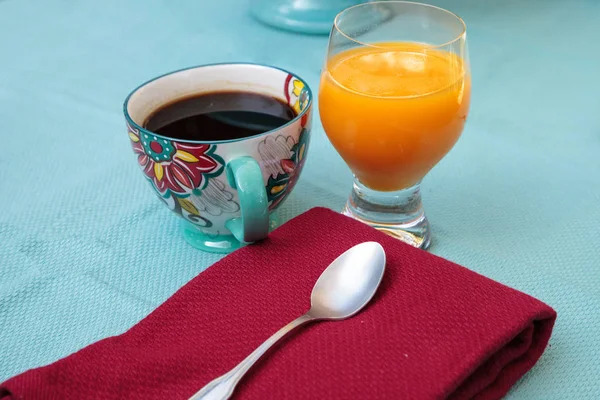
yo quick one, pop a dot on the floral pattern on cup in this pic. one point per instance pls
(282, 156)
(180, 172)
(279, 186)
(296, 94)
(187, 209)
(174, 167)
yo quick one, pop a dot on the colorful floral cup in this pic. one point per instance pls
(225, 191)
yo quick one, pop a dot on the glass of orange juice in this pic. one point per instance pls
(393, 100)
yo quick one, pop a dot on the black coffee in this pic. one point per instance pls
(220, 116)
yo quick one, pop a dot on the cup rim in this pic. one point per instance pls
(141, 129)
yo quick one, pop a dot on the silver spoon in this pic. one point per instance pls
(341, 291)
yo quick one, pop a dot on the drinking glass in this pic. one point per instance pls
(394, 98)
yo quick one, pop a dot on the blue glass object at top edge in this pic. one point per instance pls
(303, 16)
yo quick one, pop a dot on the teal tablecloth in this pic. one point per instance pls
(86, 250)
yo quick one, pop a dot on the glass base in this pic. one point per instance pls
(309, 16)
(222, 244)
(314, 16)
(311, 21)
(399, 214)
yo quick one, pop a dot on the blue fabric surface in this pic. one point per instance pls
(86, 250)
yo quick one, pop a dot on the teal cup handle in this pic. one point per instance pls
(244, 174)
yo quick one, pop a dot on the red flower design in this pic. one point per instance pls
(304, 119)
(178, 167)
(288, 166)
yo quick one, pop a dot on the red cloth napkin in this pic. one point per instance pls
(434, 330)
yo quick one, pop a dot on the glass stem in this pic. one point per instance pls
(399, 213)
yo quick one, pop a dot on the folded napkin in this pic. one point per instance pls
(434, 330)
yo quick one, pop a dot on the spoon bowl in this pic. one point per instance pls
(349, 282)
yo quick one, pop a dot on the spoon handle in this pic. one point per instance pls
(222, 387)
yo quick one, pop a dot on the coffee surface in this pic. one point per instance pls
(216, 116)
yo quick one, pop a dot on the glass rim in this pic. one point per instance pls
(413, 3)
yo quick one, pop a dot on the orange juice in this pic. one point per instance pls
(393, 111)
